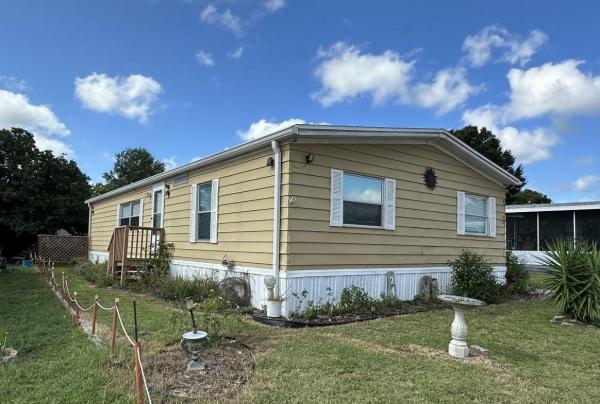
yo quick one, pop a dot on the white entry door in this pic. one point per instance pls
(158, 206)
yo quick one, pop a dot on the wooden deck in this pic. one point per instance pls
(128, 248)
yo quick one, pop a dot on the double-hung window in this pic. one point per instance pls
(130, 213)
(204, 212)
(476, 215)
(363, 201)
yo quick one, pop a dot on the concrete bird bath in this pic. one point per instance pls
(458, 347)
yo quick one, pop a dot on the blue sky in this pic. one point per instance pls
(186, 79)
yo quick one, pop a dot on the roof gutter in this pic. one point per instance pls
(276, 213)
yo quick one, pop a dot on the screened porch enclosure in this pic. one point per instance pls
(535, 230)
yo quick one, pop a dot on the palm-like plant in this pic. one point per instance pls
(574, 278)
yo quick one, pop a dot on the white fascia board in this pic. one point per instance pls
(551, 208)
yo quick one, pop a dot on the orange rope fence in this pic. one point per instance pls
(46, 268)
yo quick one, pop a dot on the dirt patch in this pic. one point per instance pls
(229, 366)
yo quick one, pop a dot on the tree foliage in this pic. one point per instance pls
(39, 192)
(529, 196)
(486, 143)
(131, 165)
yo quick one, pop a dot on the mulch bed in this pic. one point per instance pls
(229, 366)
(326, 320)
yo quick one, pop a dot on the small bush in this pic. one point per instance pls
(179, 289)
(355, 299)
(517, 276)
(573, 279)
(94, 272)
(473, 276)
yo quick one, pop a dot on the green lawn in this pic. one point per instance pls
(396, 359)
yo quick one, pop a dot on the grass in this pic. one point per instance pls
(396, 359)
(56, 362)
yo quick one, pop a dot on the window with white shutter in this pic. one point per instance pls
(362, 201)
(476, 215)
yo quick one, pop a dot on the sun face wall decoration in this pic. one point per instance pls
(430, 178)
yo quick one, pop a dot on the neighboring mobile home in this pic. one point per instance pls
(321, 207)
(530, 228)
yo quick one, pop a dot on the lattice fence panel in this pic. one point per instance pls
(62, 248)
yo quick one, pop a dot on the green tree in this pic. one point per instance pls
(131, 165)
(529, 196)
(39, 192)
(486, 143)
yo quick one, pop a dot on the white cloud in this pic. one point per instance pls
(528, 146)
(204, 58)
(479, 47)
(133, 97)
(17, 111)
(12, 83)
(587, 183)
(346, 73)
(227, 19)
(274, 5)
(236, 54)
(57, 146)
(265, 127)
(169, 162)
(448, 90)
(560, 88)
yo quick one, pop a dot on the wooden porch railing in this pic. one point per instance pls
(130, 245)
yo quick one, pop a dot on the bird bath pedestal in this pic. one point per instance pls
(458, 347)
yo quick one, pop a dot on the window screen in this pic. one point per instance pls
(476, 214)
(362, 200)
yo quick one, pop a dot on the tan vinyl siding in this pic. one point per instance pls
(104, 217)
(245, 219)
(425, 232)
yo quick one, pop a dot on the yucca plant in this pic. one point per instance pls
(573, 278)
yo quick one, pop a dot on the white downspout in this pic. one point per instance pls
(89, 234)
(276, 212)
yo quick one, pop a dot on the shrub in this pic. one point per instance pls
(179, 289)
(473, 276)
(517, 276)
(356, 299)
(94, 272)
(573, 279)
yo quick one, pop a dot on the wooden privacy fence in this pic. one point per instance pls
(62, 248)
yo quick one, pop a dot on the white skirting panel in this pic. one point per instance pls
(315, 282)
(254, 276)
(98, 256)
(373, 281)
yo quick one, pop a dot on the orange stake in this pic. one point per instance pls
(139, 381)
(94, 315)
(114, 327)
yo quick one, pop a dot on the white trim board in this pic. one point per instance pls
(551, 208)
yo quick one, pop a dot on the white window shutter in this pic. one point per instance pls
(389, 221)
(118, 215)
(460, 213)
(141, 212)
(336, 213)
(214, 211)
(492, 216)
(193, 218)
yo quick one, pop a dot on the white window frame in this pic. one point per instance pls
(155, 189)
(214, 212)
(490, 216)
(140, 216)
(388, 201)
